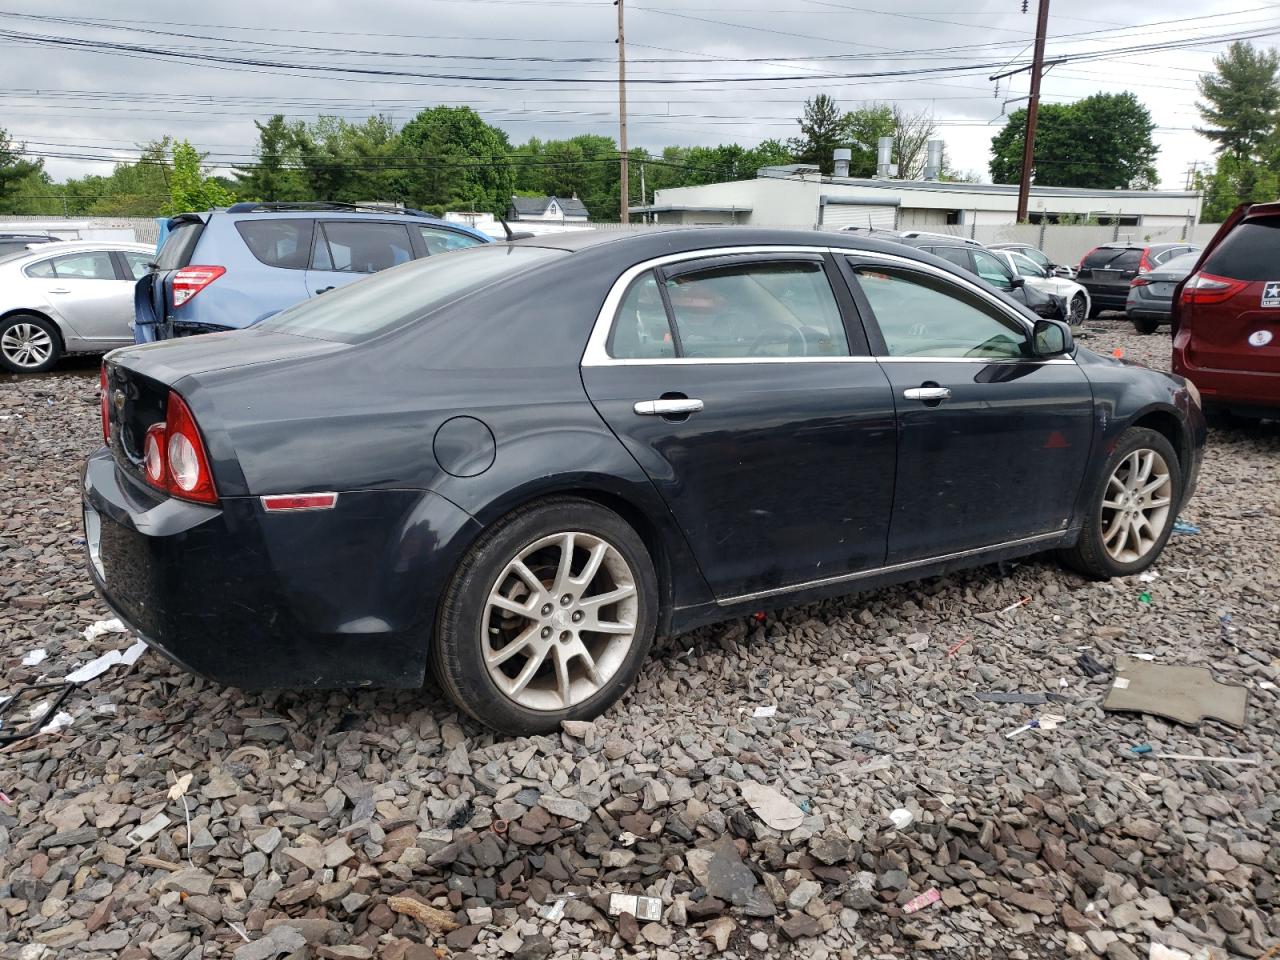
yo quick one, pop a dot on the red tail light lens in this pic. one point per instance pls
(104, 405)
(1139, 282)
(174, 457)
(1206, 288)
(1145, 264)
(189, 281)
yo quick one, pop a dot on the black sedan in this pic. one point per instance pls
(519, 463)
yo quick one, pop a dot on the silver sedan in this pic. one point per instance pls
(71, 297)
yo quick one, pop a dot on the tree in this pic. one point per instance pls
(456, 161)
(911, 135)
(823, 127)
(14, 170)
(189, 187)
(276, 174)
(1102, 142)
(1242, 99)
(1233, 182)
(866, 126)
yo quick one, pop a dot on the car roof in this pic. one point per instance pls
(72, 246)
(681, 239)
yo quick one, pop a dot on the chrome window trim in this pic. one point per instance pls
(596, 353)
(891, 568)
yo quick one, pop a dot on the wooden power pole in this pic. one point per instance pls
(624, 214)
(1033, 110)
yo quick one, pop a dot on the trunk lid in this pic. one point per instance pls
(153, 294)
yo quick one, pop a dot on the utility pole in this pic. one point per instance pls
(1033, 109)
(624, 215)
(644, 202)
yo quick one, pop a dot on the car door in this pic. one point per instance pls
(87, 293)
(756, 412)
(992, 441)
(346, 250)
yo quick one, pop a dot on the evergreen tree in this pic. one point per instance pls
(1241, 100)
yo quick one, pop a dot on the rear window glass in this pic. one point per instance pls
(179, 245)
(278, 243)
(395, 297)
(1123, 258)
(1250, 252)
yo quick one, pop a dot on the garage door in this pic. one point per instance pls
(877, 216)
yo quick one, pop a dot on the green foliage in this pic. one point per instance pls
(453, 158)
(189, 187)
(1101, 142)
(15, 173)
(823, 127)
(1234, 182)
(1242, 97)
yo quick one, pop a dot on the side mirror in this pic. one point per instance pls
(1016, 282)
(1050, 338)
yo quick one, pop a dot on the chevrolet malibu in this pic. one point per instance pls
(518, 464)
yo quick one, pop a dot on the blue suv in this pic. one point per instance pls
(227, 269)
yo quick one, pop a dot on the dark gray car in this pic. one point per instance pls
(1150, 299)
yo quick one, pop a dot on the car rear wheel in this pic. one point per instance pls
(28, 344)
(1094, 311)
(1132, 508)
(1145, 325)
(548, 617)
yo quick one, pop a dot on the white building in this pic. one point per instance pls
(797, 195)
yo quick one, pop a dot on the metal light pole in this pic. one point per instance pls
(624, 214)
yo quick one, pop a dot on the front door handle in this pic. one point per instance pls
(667, 408)
(927, 394)
(59, 290)
(323, 290)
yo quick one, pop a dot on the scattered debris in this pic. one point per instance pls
(99, 666)
(955, 647)
(1091, 666)
(1005, 696)
(766, 711)
(32, 657)
(1140, 748)
(642, 908)
(771, 806)
(901, 818)
(147, 831)
(1245, 761)
(1148, 576)
(95, 630)
(925, 899)
(48, 720)
(1184, 694)
(1015, 605)
(1049, 721)
(1185, 529)
(627, 838)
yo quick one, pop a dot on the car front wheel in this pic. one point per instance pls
(28, 344)
(1145, 325)
(1077, 313)
(548, 617)
(1132, 508)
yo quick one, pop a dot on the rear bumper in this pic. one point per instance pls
(335, 598)
(1246, 390)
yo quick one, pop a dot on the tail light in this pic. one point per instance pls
(1139, 282)
(1206, 288)
(189, 281)
(1084, 258)
(1144, 264)
(174, 457)
(104, 404)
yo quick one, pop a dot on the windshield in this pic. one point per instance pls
(401, 294)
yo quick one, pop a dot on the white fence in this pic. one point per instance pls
(1063, 244)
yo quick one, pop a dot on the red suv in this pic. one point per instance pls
(1226, 315)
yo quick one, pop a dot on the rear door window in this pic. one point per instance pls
(1250, 252)
(771, 309)
(992, 269)
(94, 265)
(956, 255)
(351, 246)
(278, 243)
(139, 264)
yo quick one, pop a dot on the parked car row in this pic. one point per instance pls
(580, 442)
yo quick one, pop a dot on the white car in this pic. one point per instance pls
(67, 297)
(1076, 296)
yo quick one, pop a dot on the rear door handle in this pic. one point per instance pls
(59, 290)
(936, 394)
(667, 408)
(324, 290)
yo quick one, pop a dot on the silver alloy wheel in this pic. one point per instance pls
(559, 620)
(1077, 311)
(1136, 506)
(26, 345)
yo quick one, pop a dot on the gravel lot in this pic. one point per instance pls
(321, 824)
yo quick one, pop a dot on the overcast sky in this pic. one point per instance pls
(100, 104)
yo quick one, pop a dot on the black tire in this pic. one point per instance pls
(1089, 556)
(1094, 311)
(458, 647)
(18, 321)
(1145, 325)
(1076, 312)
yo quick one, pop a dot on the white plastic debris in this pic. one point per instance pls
(1158, 951)
(95, 630)
(34, 656)
(1063, 683)
(770, 806)
(1148, 576)
(901, 818)
(100, 665)
(60, 720)
(768, 711)
(180, 788)
(147, 831)
(642, 908)
(627, 838)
